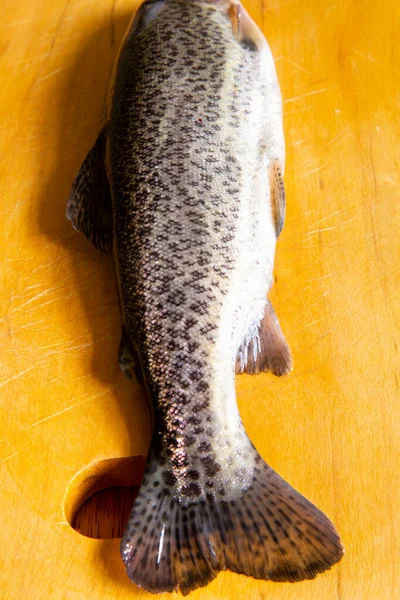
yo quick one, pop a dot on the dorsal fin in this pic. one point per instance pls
(89, 205)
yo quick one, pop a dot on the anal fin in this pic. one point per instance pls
(89, 205)
(265, 348)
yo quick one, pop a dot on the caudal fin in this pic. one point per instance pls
(270, 532)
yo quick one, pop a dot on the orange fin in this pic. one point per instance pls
(265, 348)
(244, 28)
(269, 531)
(278, 201)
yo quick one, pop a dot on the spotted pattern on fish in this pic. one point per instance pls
(176, 256)
(195, 160)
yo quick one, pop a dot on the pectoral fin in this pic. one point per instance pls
(278, 202)
(265, 348)
(245, 30)
(146, 13)
(89, 205)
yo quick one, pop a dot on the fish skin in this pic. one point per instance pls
(194, 157)
(193, 129)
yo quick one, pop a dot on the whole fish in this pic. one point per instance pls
(184, 186)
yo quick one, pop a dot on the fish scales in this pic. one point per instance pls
(184, 186)
(179, 168)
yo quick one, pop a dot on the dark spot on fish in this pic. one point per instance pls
(190, 322)
(211, 467)
(198, 430)
(201, 406)
(169, 478)
(195, 375)
(248, 44)
(192, 347)
(203, 386)
(193, 489)
(189, 440)
(194, 420)
(204, 446)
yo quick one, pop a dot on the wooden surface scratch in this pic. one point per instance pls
(331, 428)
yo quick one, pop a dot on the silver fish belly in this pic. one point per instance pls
(184, 186)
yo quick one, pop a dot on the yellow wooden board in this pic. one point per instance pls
(331, 428)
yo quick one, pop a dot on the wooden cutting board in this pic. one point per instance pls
(68, 416)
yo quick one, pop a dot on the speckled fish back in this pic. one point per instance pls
(195, 126)
(179, 164)
(193, 156)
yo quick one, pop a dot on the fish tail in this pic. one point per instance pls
(269, 531)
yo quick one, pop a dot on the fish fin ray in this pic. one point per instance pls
(162, 550)
(147, 12)
(244, 28)
(265, 348)
(269, 531)
(89, 206)
(278, 200)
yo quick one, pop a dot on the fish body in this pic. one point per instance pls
(184, 186)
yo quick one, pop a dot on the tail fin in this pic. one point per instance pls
(269, 532)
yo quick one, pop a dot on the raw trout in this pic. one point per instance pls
(184, 186)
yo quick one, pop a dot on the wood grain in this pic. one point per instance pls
(104, 515)
(331, 428)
